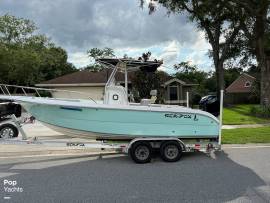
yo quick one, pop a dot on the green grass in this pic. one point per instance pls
(240, 114)
(246, 135)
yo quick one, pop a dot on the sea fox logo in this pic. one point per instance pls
(177, 115)
(75, 144)
(180, 115)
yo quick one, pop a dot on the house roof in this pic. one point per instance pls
(178, 81)
(239, 85)
(84, 78)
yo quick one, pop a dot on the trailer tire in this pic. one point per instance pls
(141, 152)
(8, 131)
(170, 151)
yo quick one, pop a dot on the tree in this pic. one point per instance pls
(191, 74)
(231, 74)
(27, 58)
(96, 53)
(145, 56)
(206, 80)
(255, 26)
(53, 63)
(216, 19)
(185, 67)
(15, 30)
(144, 82)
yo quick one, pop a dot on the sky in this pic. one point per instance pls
(79, 25)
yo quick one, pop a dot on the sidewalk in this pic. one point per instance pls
(245, 126)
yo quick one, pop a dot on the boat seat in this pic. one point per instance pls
(147, 102)
(153, 99)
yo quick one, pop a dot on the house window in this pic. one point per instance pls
(248, 84)
(173, 93)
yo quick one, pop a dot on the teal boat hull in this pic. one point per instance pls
(117, 123)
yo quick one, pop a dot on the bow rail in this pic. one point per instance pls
(5, 90)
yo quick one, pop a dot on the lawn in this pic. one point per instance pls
(246, 135)
(240, 114)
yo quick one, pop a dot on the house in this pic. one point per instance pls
(176, 91)
(91, 84)
(240, 90)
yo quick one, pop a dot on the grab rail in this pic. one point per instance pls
(4, 88)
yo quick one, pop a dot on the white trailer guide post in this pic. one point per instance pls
(220, 116)
(187, 99)
(191, 145)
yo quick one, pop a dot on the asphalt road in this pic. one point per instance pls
(237, 175)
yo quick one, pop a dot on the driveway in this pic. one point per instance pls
(236, 174)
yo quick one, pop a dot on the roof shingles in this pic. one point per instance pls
(85, 77)
(238, 86)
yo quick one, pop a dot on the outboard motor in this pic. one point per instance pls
(210, 103)
(8, 108)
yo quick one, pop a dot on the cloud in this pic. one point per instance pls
(79, 25)
(81, 59)
(169, 55)
(197, 54)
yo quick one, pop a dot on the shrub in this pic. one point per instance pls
(195, 98)
(260, 111)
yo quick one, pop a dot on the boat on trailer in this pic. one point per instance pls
(115, 118)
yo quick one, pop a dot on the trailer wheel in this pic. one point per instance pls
(170, 151)
(141, 152)
(8, 131)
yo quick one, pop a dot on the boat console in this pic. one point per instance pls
(115, 95)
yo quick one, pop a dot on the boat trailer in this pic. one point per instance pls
(139, 149)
